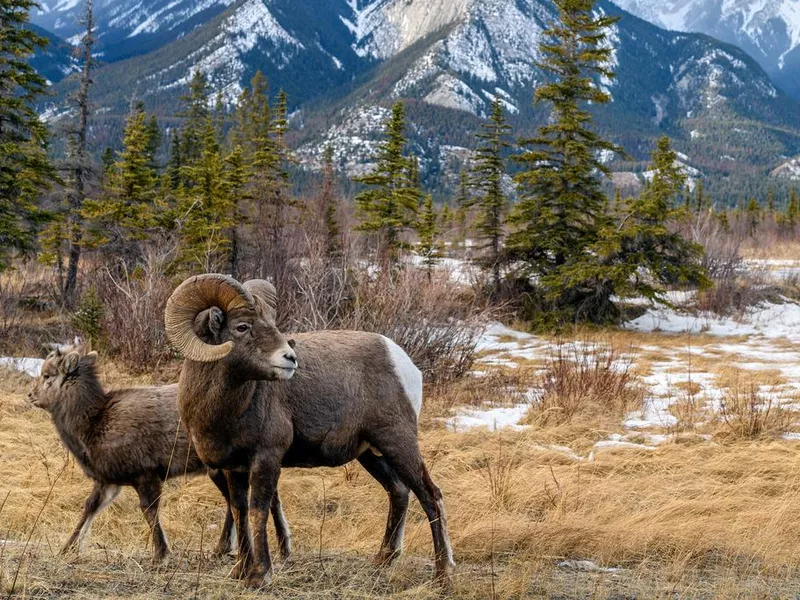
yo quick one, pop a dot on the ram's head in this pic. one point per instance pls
(213, 317)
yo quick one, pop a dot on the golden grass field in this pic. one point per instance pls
(689, 519)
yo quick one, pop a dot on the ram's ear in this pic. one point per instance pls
(70, 363)
(208, 325)
(90, 358)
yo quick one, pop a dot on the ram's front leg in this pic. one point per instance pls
(264, 475)
(238, 484)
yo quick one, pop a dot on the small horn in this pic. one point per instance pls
(266, 295)
(189, 299)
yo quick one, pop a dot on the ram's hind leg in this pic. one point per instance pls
(402, 452)
(102, 495)
(392, 544)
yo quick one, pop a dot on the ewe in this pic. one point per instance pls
(254, 402)
(124, 437)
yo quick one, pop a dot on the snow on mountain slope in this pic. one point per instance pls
(250, 26)
(769, 30)
(128, 27)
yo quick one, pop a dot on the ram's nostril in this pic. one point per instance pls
(290, 357)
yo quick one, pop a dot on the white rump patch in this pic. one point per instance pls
(407, 372)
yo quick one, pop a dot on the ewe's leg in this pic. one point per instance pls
(149, 497)
(264, 474)
(392, 544)
(281, 526)
(238, 488)
(405, 459)
(101, 496)
(225, 543)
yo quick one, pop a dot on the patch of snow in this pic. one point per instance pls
(30, 366)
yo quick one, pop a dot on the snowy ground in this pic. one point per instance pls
(680, 349)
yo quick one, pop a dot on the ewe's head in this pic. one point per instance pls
(213, 317)
(62, 367)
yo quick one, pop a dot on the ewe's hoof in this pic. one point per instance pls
(239, 570)
(256, 580)
(384, 558)
(221, 552)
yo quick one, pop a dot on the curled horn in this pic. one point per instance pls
(189, 299)
(265, 295)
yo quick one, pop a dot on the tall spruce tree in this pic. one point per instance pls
(640, 252)
(488, 197)
(561, 209)
(25, 169)
(429, 246)
(207, 208)
(195, 114)
(389, 206)
(125, 213)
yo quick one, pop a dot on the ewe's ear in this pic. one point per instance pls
(90, 358)
(208, 324)
(70, 363)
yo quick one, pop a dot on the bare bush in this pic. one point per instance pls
(722, 259)
(746, 413)
(580, 384)
(434, 320)
(134, 301)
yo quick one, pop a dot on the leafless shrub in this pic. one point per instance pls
(12, 288)
(583, 383)
(134, 301)
(746, 413)
(722, 258)
(432, 319)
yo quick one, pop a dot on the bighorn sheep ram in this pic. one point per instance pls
(254, 402)
(125, 437)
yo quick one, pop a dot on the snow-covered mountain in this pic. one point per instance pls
(127, 27)
(343, 62)
(768, 30)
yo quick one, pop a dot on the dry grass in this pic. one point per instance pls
(684, 521)
(779, 250)
(585, 385)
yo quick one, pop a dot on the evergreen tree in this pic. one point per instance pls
(195, 115)
(25, 169)
(80, 163)
(561, 209)
(107, 160)
(428, 247)
(235, 182)
(771, 201)
(487, 183)
(175, 162)
(328, 207)
(207, 209)
(789, 219)
(700, 197)
(641, 251)
(125, 213)
(390, 204)
(753, 216)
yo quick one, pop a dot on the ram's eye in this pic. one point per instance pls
(242, 327)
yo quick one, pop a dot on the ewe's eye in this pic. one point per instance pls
(242, 327)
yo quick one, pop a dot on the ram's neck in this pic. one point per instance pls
(211, 401)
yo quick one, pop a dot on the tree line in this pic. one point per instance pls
(565, 251)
